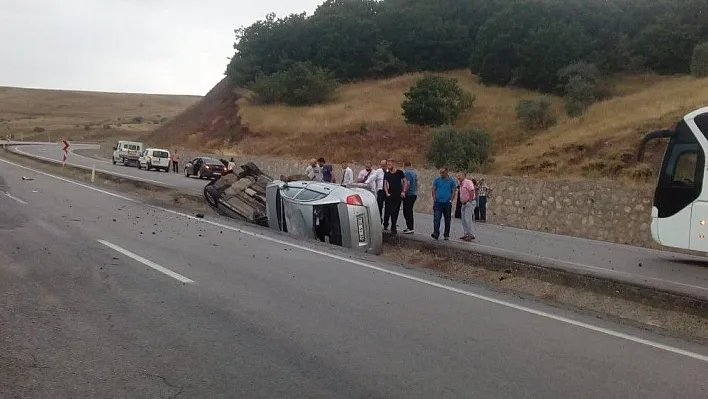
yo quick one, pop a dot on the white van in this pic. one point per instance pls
(155, 158)
(127, 152)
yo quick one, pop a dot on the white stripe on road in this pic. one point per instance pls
(561, 319)
(15, 198)
(147, 262)
(69, 181)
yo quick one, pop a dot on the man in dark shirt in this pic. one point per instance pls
(395, 187)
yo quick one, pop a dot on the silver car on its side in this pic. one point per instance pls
(343, 216)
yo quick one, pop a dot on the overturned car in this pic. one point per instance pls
(343, 216)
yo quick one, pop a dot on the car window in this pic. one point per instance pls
(132, 147)
(309, 195)
(160, 154)
(289, 192)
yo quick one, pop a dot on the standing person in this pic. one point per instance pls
(232, 165)
(476, 207)
(411, 196)
(377, 178)
(444, 190)
(327, 171)
(313, 170)
(483, 191)
(467, 198)
(175, 162)
(347, 175)
(458, 205)
(395, 186)
(364, 173)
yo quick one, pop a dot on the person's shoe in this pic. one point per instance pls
(434, 236)
(407, 231)
(446, 238)
(394, 232)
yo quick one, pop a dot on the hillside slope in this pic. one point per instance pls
(40, 113)
(211, 122)
(365, 123)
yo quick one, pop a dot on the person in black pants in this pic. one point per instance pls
(394, 187)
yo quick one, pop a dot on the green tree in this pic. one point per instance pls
(466, 149)
(581, 88)
(699, 61)
(435, 100)
(536, 113)
(301, 84)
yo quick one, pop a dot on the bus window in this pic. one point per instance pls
(685, 169)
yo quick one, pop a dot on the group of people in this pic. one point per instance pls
(396, 188)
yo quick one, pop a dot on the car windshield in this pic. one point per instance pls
(160, 154)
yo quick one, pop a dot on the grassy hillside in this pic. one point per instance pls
(81, 114)
(365, 122)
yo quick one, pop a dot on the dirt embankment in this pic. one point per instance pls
(211, 122)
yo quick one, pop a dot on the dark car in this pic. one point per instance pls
(204, 167)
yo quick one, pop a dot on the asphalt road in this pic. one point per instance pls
(104, 296)
(662, 269)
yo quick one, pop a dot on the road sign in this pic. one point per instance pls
(65, 149)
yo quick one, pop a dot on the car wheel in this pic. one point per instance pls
(114, 160)
(139, 165)
(186, 174)
(149, 166)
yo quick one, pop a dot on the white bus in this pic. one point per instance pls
(679, 216)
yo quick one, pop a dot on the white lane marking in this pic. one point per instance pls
(500, 302)
(16, 199)
(147, 262)
(69, 181)
(97, 169)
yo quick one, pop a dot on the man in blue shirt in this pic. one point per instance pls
(411, 196)
(444, 190)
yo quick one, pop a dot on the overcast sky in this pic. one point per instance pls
(147, 46)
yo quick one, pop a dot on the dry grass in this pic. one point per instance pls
(365, 122)
(603, 142)
(66, 113)
(374, 107)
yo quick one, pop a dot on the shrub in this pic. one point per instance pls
(435, 101)
(536, 113)
(301, 84)
(87, 127)
(581, 87)
(579, 96)
(107, 126)
(38, 130)
(137, 120)
(466, 149)
(699, 61)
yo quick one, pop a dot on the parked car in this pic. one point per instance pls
(154, 158)
(343, 216)
(127, 152)
(204, 167)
